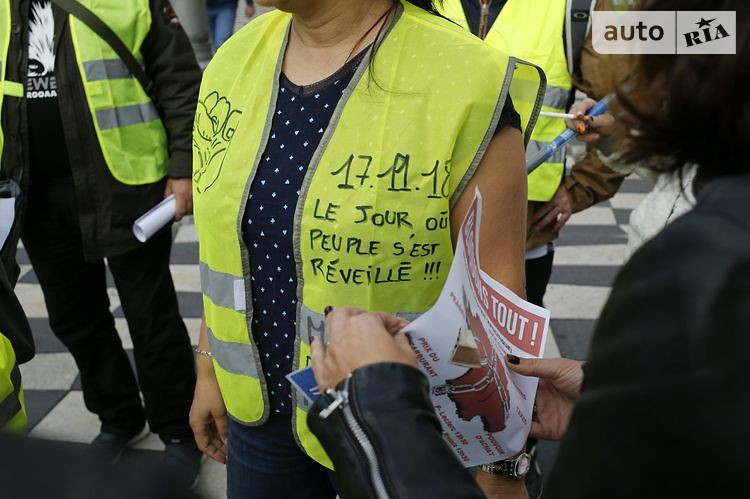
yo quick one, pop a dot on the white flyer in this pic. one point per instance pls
(461, 344)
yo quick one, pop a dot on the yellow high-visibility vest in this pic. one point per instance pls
(12, 407)
(401, 145)
(128, 127)
(533, 31)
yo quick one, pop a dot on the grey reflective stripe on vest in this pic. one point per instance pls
(106, 69)
(10, 406)
(126, 115)
(313, 324)
(536, 146)
(225, 290)
(236, 358)
(556, 97)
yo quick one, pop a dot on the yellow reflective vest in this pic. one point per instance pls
(128, 127)
(402, 143)
(533, 31)
(12, 408)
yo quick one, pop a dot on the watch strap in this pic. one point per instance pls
(508, 467)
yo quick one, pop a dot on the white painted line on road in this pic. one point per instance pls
(575, 302)
(594, 216)
(602, 254)
(626, 200)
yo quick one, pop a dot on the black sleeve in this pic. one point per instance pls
(13, 322)
(392, 406)
(171, 65)
(508, 117)
(666, 377)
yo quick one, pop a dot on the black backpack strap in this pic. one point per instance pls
(98, 26)
(577, 25)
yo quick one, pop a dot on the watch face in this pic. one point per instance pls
(522, 465)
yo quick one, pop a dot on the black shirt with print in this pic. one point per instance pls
(48, 152)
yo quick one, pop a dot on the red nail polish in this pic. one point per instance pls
(514, 359)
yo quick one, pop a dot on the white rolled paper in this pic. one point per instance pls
(154, 219)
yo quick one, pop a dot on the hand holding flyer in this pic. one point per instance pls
(461, 344)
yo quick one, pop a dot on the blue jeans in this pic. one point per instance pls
(221, 24)
(265, 461)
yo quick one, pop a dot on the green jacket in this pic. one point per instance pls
(106, 207)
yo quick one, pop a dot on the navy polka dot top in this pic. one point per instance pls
(301, 118)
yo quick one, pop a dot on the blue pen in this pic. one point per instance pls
(549, 149)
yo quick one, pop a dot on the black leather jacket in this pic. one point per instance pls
(384, 438)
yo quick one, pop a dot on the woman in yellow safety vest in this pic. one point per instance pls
(337, 147)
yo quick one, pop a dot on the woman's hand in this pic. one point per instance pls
(560, 383)
(597, 128)
(356, 339)
(208, 414)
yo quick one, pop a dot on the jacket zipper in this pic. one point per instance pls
(341, 400)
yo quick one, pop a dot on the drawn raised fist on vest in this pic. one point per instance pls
(215, 124)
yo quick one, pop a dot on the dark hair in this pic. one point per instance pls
(692, 108)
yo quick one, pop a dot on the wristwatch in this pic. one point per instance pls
(516, 467)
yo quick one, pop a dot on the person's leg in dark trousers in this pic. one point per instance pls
(213, 19)
(538, 273)
(265, 461)
(75, 292)
(163, 355)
